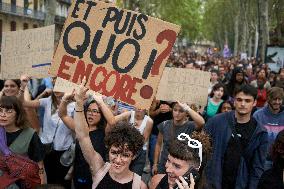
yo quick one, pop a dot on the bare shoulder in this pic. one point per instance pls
(150, 120)
(143, 185)
(156, 180)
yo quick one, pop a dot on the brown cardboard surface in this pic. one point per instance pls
(184, 85)
(27, 52)
(141, 91)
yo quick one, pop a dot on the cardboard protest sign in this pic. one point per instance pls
(62, 85)
(27, 52)
(121, 53)
(184, 85)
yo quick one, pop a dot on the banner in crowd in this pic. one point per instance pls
(121, 53)
(275, 57)
(27, 52)
(184, 85)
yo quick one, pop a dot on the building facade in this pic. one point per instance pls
(27, 14)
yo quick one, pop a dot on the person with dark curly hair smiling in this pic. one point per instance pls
(123, 143)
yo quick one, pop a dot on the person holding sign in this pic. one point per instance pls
(97, 115)
(123, 143)
(56, 136)
(171, 129)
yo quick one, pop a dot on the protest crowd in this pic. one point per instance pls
(85, 140)
(71, 135)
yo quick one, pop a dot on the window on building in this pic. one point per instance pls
(26, 26)
(35, 4)
(35, 26)
(13, 5)
(14, 2)
(13, 26)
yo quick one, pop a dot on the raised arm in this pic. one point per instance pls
(26, 101)
(198, 119)
(157, 152)
(148, 129)
(121, 117)
(93, 158)
(62, 110)
(106, 111)
(153, 111)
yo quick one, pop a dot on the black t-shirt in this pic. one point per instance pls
(108, 182)
(163, 184)
(159, 119)
(234, 152)
(82, 171)
(36, 148)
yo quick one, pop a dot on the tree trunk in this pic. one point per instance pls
(263, 28)
(250, 46)
(256, 41)
(236, 38)
(244, 26)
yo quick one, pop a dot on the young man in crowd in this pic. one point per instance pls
(271, 117)
(239, 145)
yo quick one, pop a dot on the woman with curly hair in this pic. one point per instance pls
(123, 143)
(187, 158)
(273, 178)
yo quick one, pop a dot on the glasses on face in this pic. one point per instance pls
(93, 111)
(7, 112)
(123, 155)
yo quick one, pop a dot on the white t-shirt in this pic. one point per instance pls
(63, 136)
(142, 127)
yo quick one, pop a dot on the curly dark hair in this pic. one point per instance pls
(124, 135)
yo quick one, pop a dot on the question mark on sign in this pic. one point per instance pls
(170, 36)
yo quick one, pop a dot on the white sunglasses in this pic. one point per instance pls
(192, 143)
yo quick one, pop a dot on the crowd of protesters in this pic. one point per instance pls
(77, 140)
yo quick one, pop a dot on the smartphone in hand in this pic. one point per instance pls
(186, 176)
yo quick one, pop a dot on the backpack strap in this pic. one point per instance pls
(136, 184)
(22, 142)
(100, 174)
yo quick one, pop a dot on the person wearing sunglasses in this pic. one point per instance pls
(183, 166)
(170, 129)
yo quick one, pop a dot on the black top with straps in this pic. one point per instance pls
(108, 182)
(163, 184)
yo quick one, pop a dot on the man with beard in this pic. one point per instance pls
(239, 145)
(271, 117)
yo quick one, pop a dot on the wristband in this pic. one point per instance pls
(79, 110)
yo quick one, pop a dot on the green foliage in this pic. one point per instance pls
(186, 13)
